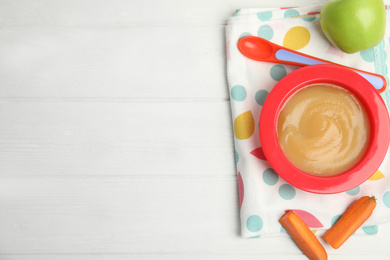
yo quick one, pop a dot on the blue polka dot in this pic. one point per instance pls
(371, 230)
(264, 16)
(291, 13)
(237, 11)
(270, 177)
(278, 72)
(283, 230)
(266, 32)
(254, 223)
(238, 93)
(287, 192)
(309, 18)
(353, 191)
(260, 96)
(237, 157)
(335, 219)
(386, 199)
(255, 236)
(368, 55)
(244, 34)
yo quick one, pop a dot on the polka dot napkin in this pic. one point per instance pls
(264, 196)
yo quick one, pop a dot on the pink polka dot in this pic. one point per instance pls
(258, 152)
(240, 189)
(334, 51)
(310, 220)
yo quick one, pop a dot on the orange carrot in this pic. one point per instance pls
(302, 235)
(355, 215)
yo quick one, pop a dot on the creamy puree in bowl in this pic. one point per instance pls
(323, 129)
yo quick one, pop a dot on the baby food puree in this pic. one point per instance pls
(323, 129)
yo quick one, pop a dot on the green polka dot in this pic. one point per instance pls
(283, 230)
(255, 236)
(386, 199)
(264, 16)
(254, 223)
(237, 157)
(238, 93)
(237, 11)
(270, 177)
(278, 72)
(368, 55)
(291, 13)
(287, 192)
(266, 32)
(353, 191)
(335, 219)
(260, 96)
(244, 34)
(371, 230)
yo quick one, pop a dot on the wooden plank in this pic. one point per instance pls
(125, 63)
(117, 215)
(123, 12)
(108, 151)
(205, 256)
(49, 138)
(139, 216)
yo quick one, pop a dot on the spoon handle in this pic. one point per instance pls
(295, 58)
(260, 49)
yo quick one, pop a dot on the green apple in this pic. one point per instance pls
(354, 25)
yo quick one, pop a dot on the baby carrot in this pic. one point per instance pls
(302, 235)
(355, 215)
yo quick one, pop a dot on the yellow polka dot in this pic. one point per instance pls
(296, 38)
(244, 125)
(377, 176)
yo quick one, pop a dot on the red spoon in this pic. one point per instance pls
(260, 49)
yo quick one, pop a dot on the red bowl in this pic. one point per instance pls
(369, 98)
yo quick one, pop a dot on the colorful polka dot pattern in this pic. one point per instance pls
(368, 55)
(266, 32)
(386, 199)
(333, 51)
(296, 38)
(309, 18)
(310, 220)
(278, 72)
(237, 157)
(287, 192)
(247, 101)
(270, 177)
(258, 152)
(370, 230)
(254, 223)
(260, 97)
(238, 93)
(291, 13)
(354, 191)
(264, 16)
(244, 125)
(376, 176)
(240, 189)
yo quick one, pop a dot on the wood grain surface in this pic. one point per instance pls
(115, 135)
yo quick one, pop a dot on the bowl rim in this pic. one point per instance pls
(369, 98)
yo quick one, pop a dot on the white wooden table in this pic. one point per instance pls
(115, 134)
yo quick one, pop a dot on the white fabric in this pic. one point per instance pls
(265, 196)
